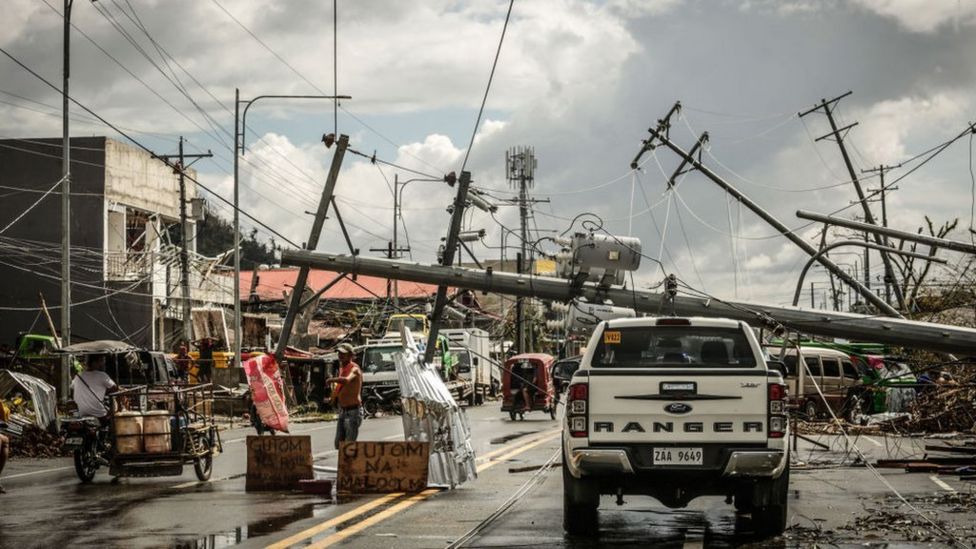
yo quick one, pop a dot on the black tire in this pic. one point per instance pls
(743, 500)
(86, 462)
(581, 502)
(473, 397)
(371, 406)
(203, 465)
(771, 520)
(479, 398)
(810, 409)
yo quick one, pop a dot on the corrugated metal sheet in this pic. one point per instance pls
(430, 414)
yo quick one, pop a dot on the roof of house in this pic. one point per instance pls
(272, 283)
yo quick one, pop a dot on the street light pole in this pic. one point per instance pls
(240, 132)
(65, 208)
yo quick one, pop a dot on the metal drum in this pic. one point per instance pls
(128, 432)
(157, 432)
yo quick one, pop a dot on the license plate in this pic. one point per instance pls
(73, 441)
(677, 456)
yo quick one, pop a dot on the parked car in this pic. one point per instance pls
(835, 372)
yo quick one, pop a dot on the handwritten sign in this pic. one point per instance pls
(382, 467)
(278, 462)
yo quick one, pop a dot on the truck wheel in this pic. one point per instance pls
(811, 410)
(771, 519)
(473, 398)
(479, 398)
(580, 503)
(743, 500)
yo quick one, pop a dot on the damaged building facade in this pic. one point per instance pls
(125, 270)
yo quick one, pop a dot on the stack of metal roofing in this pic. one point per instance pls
(430, 414)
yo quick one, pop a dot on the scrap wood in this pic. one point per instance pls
(950, 448)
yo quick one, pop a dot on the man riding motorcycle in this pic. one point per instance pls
(90, 387)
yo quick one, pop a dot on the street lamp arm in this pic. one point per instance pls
(247, 105)
(871, 245)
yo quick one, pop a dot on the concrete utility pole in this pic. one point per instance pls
(240, 135)
(881, 170)
(662, 138)
(65, 207)
(934, 241)
(328, 192)
(520, 164)
(868, 216)
(184, 237)
(450, 247)
(894, 331)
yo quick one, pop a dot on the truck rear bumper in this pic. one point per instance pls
(616, 461)
(599, 461)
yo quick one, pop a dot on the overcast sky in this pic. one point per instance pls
(580, 81)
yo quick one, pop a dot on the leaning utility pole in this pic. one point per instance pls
(868, 217)
(659, 136)
(313, 241)
(180, 168)
(65, 208)
(447, 259)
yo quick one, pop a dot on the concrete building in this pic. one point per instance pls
(125, 267)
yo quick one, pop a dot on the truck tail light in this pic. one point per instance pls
(577, 413)
(777, 410)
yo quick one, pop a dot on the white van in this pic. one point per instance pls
(832, 370)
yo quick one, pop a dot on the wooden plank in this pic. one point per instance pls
(382, 467)
(278, 462)
(947, 448)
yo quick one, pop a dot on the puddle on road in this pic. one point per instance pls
(255, 529)
(512, 436)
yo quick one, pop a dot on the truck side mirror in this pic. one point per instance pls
(777, 366)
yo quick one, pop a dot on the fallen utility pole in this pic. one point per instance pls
(868, 216)
(936, 242)
(892, 331)
(777, 224)
(313, 241)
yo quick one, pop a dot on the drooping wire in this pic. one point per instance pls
(491, 76)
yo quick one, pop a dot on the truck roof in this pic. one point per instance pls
(693, 320)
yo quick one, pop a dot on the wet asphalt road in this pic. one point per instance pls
(832, 503)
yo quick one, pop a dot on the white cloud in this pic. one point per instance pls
(886, 126)
(923, 15)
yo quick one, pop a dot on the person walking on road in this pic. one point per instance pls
(347, 392)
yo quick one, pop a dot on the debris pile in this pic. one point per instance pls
(34, 442)
(944, 408)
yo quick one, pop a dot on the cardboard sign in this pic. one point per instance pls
(382, 467)
(278, 462)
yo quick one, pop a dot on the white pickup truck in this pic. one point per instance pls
(675, 408)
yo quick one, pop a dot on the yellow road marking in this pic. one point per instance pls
(378, 517)
(506, 451)
(366, 507)
(493, 453)
(517, 451)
